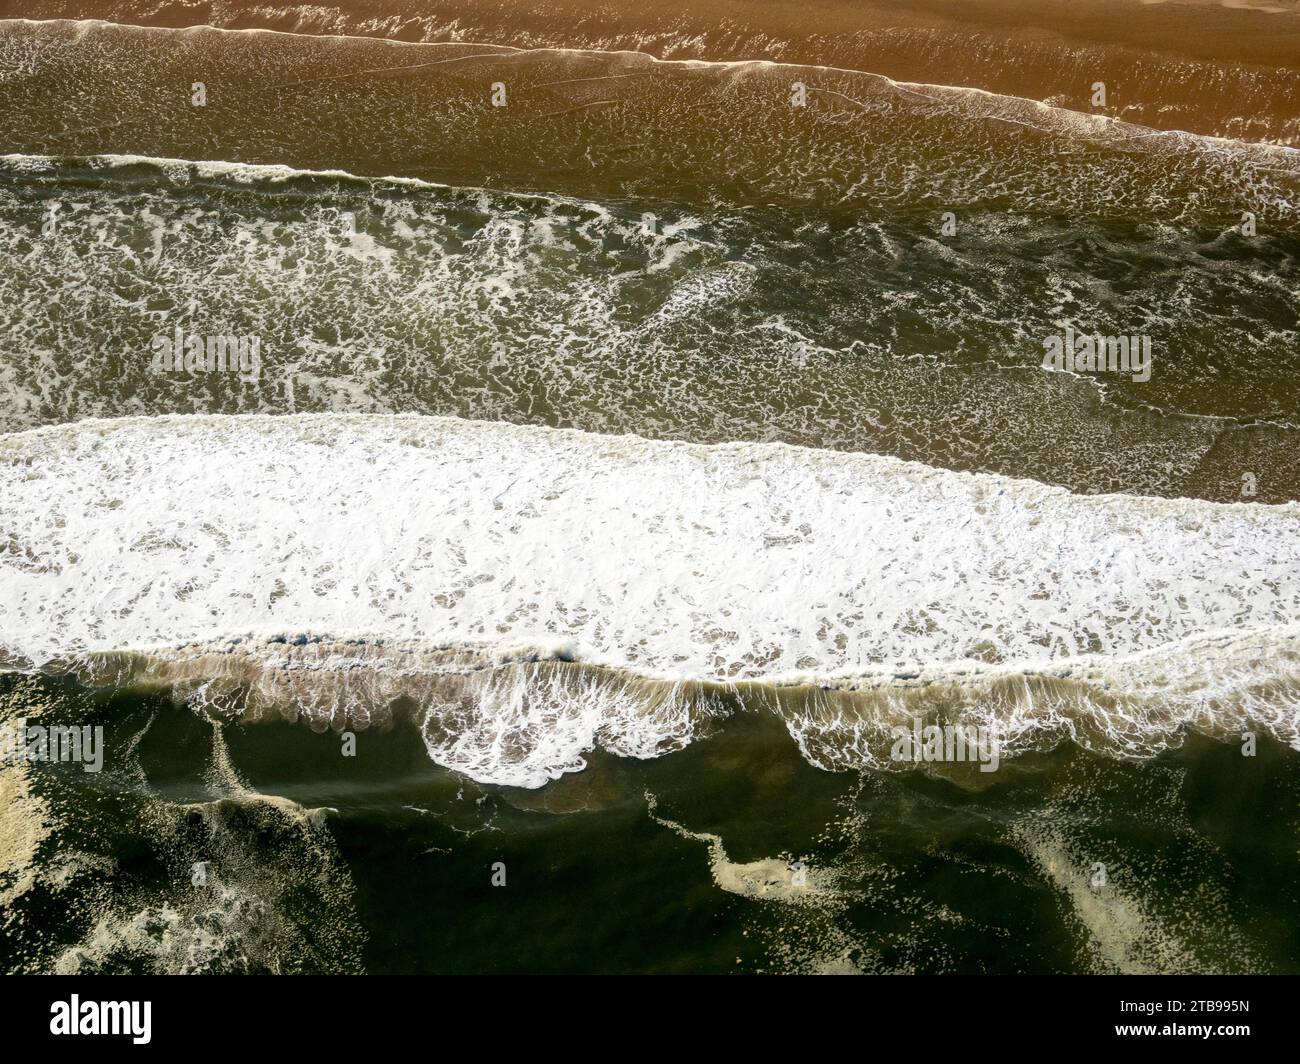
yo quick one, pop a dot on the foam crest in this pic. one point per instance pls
(524, 728)
(526, 715)
(1222, 685)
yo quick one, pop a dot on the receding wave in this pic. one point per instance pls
(615, 124)
(1170, 66)
(528, 594)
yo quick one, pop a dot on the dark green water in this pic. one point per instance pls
(384, 862)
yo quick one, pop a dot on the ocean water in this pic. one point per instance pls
(560, 512)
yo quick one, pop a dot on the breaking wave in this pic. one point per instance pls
(525, 595)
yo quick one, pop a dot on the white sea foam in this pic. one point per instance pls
(524, 728)
(743, 561)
